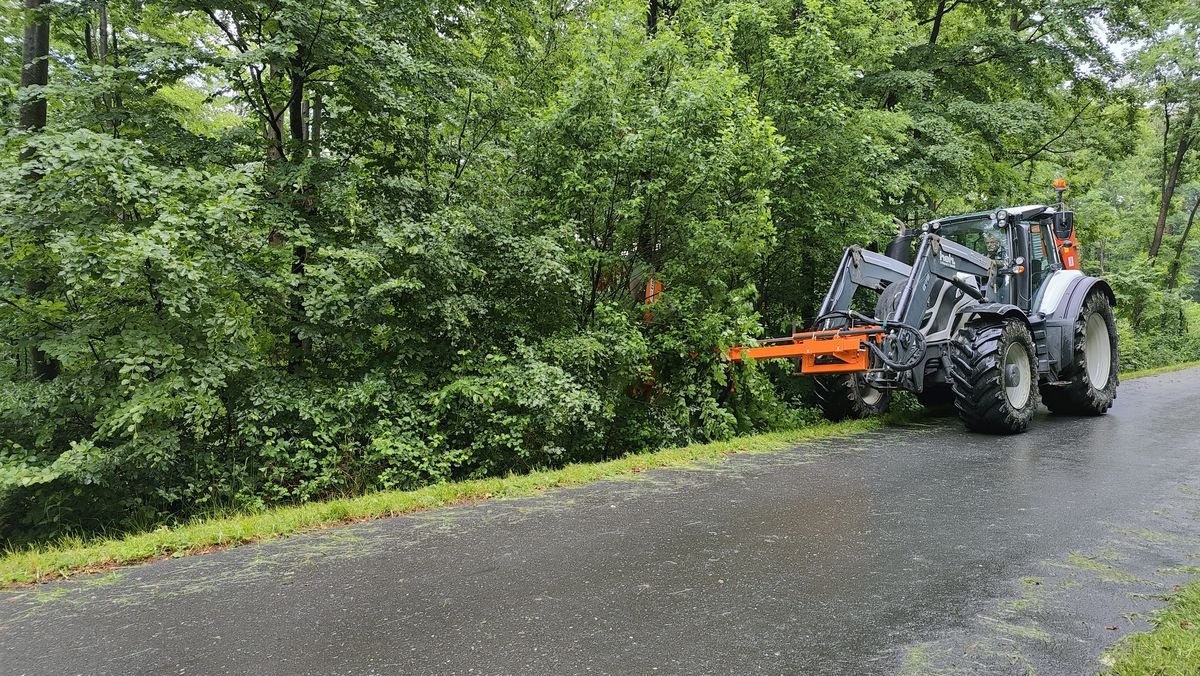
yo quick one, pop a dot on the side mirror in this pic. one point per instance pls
(1064, 224)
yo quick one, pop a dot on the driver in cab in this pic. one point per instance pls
(993, 245)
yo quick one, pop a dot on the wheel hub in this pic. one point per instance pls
(1012, 375)
(1018, 379)
(869, 394)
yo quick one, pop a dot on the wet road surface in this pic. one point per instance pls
(922, 550)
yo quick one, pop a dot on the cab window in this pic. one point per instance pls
(982, 236)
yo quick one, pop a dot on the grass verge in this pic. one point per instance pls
(1160, 370)
(1172, 647)
(72, 556)
(75, 555)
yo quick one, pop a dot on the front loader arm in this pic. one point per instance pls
(839, 343)
(940, 259)
(844, 341)
(859, 267)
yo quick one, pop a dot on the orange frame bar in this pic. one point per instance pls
(847, 352)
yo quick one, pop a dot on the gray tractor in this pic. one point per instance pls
(979, 310)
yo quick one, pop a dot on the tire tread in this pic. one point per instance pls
(977, 379)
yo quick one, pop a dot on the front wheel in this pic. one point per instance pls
(849, 395)
(994, 375)
(1092, 374)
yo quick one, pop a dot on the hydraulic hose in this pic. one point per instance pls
(916, 356)
(895, 329)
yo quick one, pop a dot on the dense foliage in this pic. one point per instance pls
(259, 252)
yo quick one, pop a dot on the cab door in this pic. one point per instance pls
(1043, 260)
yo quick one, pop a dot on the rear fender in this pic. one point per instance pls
(1060, 325)
(1072, 301)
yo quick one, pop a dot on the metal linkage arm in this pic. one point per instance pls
(860, 267)
(940, 259)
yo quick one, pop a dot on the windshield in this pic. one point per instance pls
(981, 235)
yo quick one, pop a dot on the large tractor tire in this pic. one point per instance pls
(843, 396)
(888, 299)
(993, 369)
(1092, 375)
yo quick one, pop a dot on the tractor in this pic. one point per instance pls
(990, 312)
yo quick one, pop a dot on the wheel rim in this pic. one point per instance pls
(1097, 350)
(869, 395)
(1016, 362)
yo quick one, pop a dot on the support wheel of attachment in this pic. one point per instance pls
(993, 369)
(843, 396)
(1093, 372)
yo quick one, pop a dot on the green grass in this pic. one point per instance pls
(1103, 570)
(1173, 647)
(75, 555)
(1160, 370)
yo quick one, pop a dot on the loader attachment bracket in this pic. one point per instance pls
(831, 351)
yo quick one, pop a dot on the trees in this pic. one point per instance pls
(1170, 68)
(35, 75)
(279, 250)
(995, 90)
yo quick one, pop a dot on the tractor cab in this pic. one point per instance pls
(1027, 243)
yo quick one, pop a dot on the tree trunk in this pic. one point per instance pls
(296, 121)
(272, 130)
(35, 64)
(656, 11)
(102, 43)
(35, 72)
(1166, 145)
(297, 128)
(318, 109)
(1168, 189)
(88, 49)
(937, 22)
(1173, 274)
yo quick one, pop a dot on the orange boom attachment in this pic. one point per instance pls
(832, 351)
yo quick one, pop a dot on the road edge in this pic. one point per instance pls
(77, 556)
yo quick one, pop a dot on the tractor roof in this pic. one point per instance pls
(1022, 212)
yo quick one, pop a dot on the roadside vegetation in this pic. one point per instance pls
(71, 555)
(264, 255)
(1173, 647)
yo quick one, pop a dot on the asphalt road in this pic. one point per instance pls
(923, 550)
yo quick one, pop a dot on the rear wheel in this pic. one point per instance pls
(1092, 376)
(994, 375)
(848, 395)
